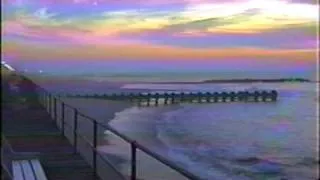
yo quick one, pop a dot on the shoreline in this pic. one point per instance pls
(100, 109)
(239, 81)
(125, 80)
(143, 130)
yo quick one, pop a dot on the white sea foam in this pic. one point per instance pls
(139, 123)
(277, 134)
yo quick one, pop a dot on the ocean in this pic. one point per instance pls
(236, 141)
(239, 140)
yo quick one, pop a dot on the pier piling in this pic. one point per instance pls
(157, 99)
(172, 97)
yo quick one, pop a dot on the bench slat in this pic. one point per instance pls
(40, 174)
(28, 172)
(17, 171)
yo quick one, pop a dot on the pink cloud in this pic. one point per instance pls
(17, 28)
(133, 2)
(307, 44)
(89, 39)
(59, 34)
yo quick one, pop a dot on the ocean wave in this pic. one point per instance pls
(220, 141)
(140, 124)
(235, 155)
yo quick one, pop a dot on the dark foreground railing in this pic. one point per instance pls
(85, 135)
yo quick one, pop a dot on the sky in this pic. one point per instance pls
(160, 35)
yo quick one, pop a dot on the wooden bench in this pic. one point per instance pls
(28, 170)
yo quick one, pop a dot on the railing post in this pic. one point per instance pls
(62, 118)
(49, 105)
(45, 101)
(42, 99)
(133, 160)
(75, 127)
(39, 93)
(55, 109)
(94, 158)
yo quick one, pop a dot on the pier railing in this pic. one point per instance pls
(155, 99)
(87, 137)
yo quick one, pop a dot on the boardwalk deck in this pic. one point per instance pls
(29, 128)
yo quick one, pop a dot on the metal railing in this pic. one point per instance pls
(69, 120)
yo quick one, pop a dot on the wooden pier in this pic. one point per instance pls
(155, 99)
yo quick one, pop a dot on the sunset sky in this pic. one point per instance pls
(159, 35)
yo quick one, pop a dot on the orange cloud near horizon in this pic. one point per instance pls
(150, 52)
